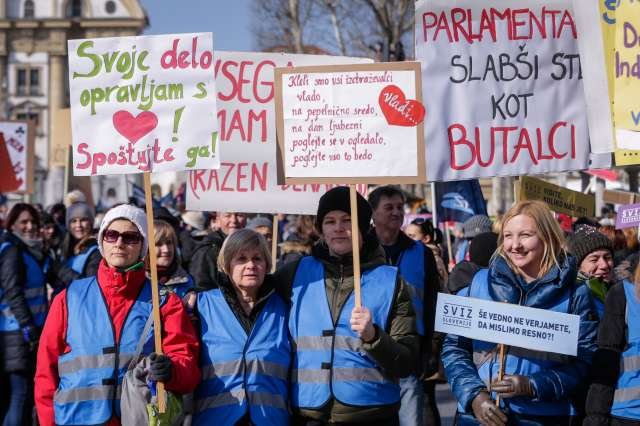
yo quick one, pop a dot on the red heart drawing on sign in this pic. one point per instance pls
(134, 128)
(398, 110)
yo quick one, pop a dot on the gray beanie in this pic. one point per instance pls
(259, 221)
(133, 214)
(478, 224)
(79, 210)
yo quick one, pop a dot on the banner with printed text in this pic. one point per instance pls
(503, 88)
(143, 104)
(514, 325)
(247, 178)
(358, 123)
(17, 156)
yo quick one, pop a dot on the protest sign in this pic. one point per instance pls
(626, 107)
(618, 197)
(350, 123)
(143, 104)
(16, 156)
(628, 216)
(60, 137)
(247, 178)
(509, 324)
(559, 199)
(503, 88)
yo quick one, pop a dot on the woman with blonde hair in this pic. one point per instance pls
(531, 268)
(170, 274)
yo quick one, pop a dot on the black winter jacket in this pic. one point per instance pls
(203, 265)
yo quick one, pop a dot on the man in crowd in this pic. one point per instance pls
(203, 265)
(418, 267)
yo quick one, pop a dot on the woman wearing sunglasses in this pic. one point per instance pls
(94, 326)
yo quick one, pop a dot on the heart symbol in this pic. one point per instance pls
(134, 128)
(398, 110)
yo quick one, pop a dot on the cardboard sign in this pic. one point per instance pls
(618, 197)
(628, 216)
(513, 325)
(626, 106)
(60, 138)
(16, 156)
(503, 88)
(350, 123)
(247, 178)
(143, 104)
(559, 199)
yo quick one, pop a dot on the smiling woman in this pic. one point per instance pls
(530, 268)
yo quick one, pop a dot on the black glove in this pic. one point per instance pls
(512, 386)
(31, 336)
(159, 367)
(486, 412)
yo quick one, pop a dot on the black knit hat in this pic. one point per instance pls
(482, 248)
(588, 239)
(338, 199)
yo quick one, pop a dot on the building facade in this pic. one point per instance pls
(33, 73)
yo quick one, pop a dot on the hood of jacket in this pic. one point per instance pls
(507, 286)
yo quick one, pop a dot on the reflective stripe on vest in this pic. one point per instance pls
(91, 373)
(242, 372)
(329, 360)
(34, 292)
(626, 399)
(78, 262)
(521, 361)
(411, 267)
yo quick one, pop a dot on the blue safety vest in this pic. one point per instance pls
(461, 253)
(91, 373)
(242, 373)
(329, 359)
(180, 287)
(78, 262)
(626, 400)
(520, 361)
(411, 267)
(35, 292)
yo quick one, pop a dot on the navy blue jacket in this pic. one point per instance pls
(505, 285)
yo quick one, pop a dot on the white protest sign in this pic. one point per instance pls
(16, 163)
(513, 325)
(247, 178)
(351, 123)
(502, 88)
(143, 104)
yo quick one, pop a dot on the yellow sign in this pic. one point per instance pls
(60, 138)
(559, 199)
(618, 197)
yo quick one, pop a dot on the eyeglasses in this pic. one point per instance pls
(130, 238)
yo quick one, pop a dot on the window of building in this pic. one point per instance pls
(29, 9)
(110, 6)
(28, 81)
(74, 9)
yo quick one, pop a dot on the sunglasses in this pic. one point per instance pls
(130, 238)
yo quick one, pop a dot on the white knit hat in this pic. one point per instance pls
(131, 213)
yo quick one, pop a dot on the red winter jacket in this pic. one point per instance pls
(120, 290)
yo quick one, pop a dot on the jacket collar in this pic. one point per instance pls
(115, 280)
(507, 286)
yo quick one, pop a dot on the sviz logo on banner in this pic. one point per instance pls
(457, 315)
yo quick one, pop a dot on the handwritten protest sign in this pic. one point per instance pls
(559, 199)
(627, 76)
(143, 104)
(350, 123)
(513, 325)
(628, 216)
(247, 178)
(16, 156)
(503, 88)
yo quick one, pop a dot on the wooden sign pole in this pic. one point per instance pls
(274, 243)
(447, 233)
(500, 370)
(355, 232)
(155, 294)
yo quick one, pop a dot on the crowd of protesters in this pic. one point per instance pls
(247, 342)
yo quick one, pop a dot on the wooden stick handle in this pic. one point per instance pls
(274, 243)
(500, 370)
(355, 232)
(155, 294)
